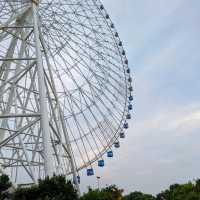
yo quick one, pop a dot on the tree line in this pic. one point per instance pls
(58, 188)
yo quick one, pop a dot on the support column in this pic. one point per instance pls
(48, 157)
(64, 128)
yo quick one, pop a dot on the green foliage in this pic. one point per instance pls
(188, 191)
(139, 196)
(108, 193)
(4, 183)
(55, 188)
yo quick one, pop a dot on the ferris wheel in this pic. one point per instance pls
(65, 88)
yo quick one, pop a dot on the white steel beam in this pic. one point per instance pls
(61, 116)
(48, 157)
(20, 115)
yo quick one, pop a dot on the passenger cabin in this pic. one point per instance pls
(101, 7)
(130, 88)
(110, 154)
(126, 125)
(130, 98)
(101, 163)
(90, 172)
(128, 116)
(123, 53)
(129, 79)
(116, 144)
(107, 16)
(122, 135)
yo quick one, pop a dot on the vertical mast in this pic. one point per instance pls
(47, 151)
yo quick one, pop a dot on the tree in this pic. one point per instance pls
(4, 183)
(55, 188)
(139, 196)
(188, 191)
(108, 193)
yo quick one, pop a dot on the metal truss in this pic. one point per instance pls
(65, 87)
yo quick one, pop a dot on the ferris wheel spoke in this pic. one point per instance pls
(80, 127)
(87, 104)
(95, 40)
(73, 46)
(90, 133)
(89, 83)
(85, 53)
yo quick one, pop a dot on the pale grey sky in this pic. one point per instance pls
(162, 147)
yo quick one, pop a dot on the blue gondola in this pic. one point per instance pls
(90, 172)
(116, 34)
(129, 79)
(130, 107)
(116, 144)
(110, 154)
(122, 135)
(126, 125)
(128, 71)
(126, 61)
(123, 53)
(130, 98)
(112, 26)
(101, 7)
(120, 43)
(107, 16)
(101, 163)
(130, 88)
(128, 116)
(78, 180)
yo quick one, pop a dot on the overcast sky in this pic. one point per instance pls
(162, 40)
